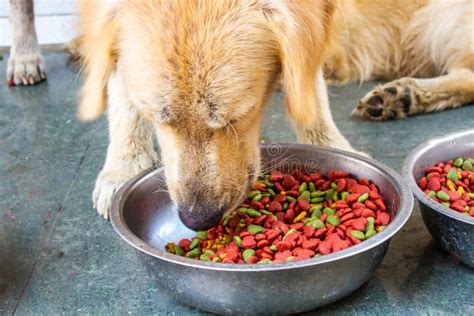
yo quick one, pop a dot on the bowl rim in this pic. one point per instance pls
(404, 212)
(409, 164)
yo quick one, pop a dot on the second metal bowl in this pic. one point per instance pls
(452, 230)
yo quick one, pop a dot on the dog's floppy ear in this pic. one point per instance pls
(98, 29)
(301, 29)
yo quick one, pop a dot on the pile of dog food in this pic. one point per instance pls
(294, 216)
(451, 183)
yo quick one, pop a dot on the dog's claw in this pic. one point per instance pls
(26, 69)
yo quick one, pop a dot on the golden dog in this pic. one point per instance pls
(199, 73)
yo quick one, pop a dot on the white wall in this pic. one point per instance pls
(55, 21)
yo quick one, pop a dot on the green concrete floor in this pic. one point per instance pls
(57, 256)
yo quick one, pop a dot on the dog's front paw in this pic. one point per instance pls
(394, 100)
(106, 185)
(25, 69)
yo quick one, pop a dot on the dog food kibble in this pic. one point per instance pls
(290, 217)
(451, 184)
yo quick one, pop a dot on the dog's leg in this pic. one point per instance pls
(409, 96)
(130, 149)
(323, 131)
(26, 65)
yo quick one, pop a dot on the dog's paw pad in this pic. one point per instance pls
(25, 69)
(388, 102)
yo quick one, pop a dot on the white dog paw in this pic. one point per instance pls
(25, 69)
(107, 184)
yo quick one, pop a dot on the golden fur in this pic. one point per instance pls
(200, 72)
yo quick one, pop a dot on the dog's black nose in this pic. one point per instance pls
(200, 217)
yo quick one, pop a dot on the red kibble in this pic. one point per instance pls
(351, 198)
(324, 247)
(291, 227)
(310, 243)
(304, 205)
(290, 215)
(383, 218)
(274, 207)
(434, 184)
(283, 245)
(249, 242)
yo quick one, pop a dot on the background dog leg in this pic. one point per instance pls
(323, 131)
(130, 149)
(26, 65)
(409, 96)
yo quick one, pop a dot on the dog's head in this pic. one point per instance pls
(201, 72)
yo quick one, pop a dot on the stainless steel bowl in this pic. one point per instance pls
(144, 216)
(452, 230)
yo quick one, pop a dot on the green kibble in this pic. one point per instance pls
(228, 239)
(471, 196)
(364, 197)
(285, 206)
(208, 252)
(317, 200)
(334, 186)
(270, 190)
(467, 165)
(358, 234)
(318, 223)
(329, 194)
(216, 259)
(266, 212)
(458, 162)
(265, 261)
(380, 229)
(290, 259)
(305, 196)
(178, 250)
(335, 196)
(204, 257)
(202, 235)
(344, 195)
(242, 210)
(247, 254)
(238, 241)
(253, 213)
(370, 233)
(309, 221)
(273, 248)
(312, 187)
(254, 229)
(443, 196)
(445, 204)
(370, 224)
(431, 194)
(303, 187)
(268, 184)
(252, 194)
(329, 211)
(290, 199)
(227, 219)
(193, 253)
(316, 213)
(194, 243)
(257, 197)
(452, 175)
(333, 220)
(317, 194)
